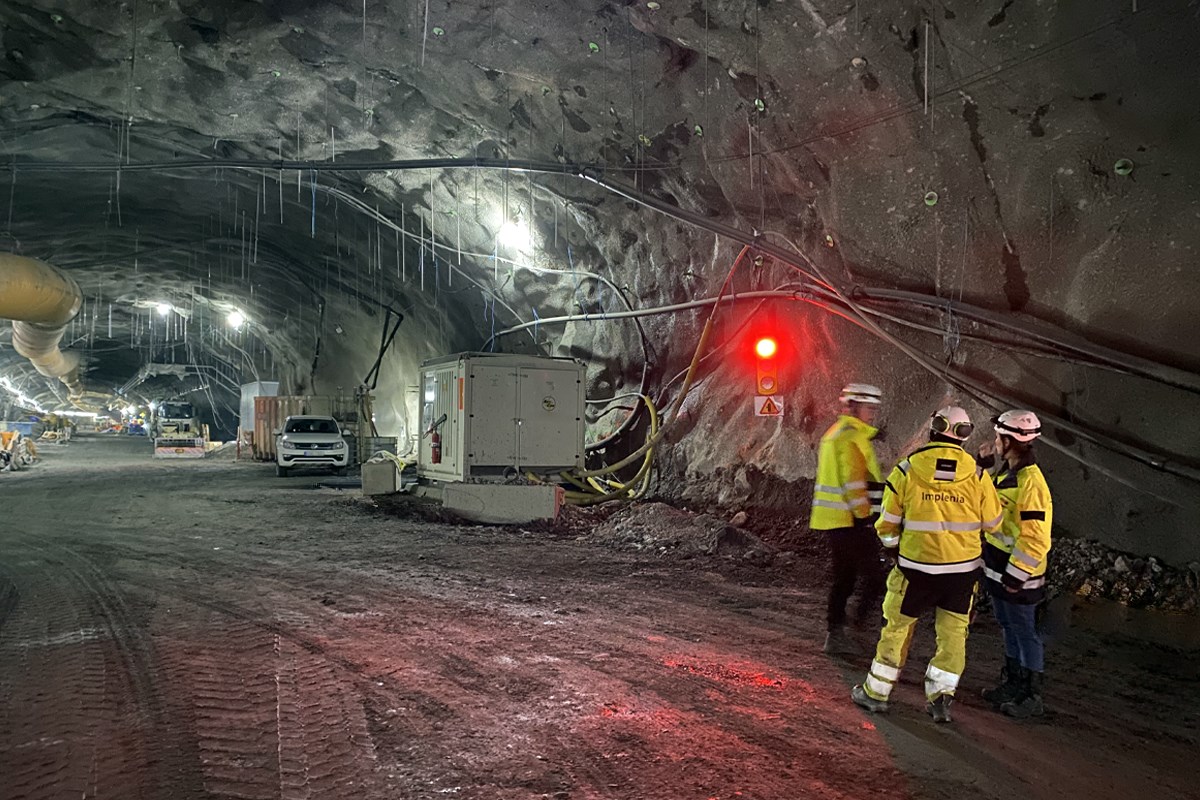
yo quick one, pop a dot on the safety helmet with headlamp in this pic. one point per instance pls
(952, 422)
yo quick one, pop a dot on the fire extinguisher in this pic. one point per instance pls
(435, 440)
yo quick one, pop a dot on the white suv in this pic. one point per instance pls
(310, 441)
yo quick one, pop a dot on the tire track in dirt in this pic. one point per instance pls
(37, 651)
(488, 695)
(71, 719)
(254, 710)
(274, 716)
(139, 742)
(393, 698)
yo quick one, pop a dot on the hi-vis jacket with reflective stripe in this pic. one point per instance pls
(1015, 556)
(848, 480)
(934, 508)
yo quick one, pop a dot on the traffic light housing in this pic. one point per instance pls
(765, 366)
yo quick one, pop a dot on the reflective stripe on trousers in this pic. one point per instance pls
(892, 651)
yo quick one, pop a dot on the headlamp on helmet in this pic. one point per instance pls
(952, 422)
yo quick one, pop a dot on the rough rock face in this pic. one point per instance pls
(1035, 160)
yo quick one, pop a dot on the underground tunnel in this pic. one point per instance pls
(404, 398)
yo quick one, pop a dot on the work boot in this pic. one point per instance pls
(939, 707)
(1010, 684)
(838, 643)
(1029, 702)
(860, 697)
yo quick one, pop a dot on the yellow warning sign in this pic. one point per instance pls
(768, 406)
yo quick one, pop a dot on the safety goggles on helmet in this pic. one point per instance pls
(1024, 426)
(861, 393)
(952, 421)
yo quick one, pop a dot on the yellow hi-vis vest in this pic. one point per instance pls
(848, 480)
(1016, 554)
(934, 508)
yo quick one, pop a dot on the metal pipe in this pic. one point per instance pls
(41, 300)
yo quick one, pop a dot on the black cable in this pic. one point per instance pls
(1164, 373)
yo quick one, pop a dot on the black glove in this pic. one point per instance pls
(986, 462)
(866, 522)
(892, 554)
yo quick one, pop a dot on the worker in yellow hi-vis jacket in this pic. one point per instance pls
(1014, 561)
(935, 507)
(845, 506)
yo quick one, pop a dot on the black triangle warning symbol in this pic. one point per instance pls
(769, 409)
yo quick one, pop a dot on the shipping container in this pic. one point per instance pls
(251, 391)
(271, 412)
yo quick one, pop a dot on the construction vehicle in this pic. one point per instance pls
(177, 431)
(17, 451)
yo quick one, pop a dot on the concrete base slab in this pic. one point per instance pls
(497, 503)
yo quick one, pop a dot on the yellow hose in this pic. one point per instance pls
(683, 392)
(592, 492)
(580, 485)
(598, 494)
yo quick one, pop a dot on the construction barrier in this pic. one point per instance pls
(180, 448)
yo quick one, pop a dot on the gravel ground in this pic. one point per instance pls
(203, 629)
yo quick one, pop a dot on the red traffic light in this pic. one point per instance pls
(765, 365)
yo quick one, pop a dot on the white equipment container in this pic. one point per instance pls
(251, 391)
(498, 415)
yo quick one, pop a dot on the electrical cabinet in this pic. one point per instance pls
(498, 415)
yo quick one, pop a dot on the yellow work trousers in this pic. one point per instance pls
(901, 608)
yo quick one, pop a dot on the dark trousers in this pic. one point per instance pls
(855, 561)
(1021, 638)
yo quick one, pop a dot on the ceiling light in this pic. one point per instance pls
(235, 319)
(22, 399)
(514, 234)
(163, 309)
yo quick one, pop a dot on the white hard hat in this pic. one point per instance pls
(861, 393)
(953, 422)
(1024, 426)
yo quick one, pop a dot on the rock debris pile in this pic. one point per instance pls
(1090, 569)
(1082, 567)
(665, 531)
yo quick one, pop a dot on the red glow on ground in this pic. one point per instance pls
(726, 674)
(615, 710)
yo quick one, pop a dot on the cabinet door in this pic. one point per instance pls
(440, 396)
(493, 421)
(548, 427)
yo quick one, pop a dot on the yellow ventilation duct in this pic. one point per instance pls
(41, 300)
